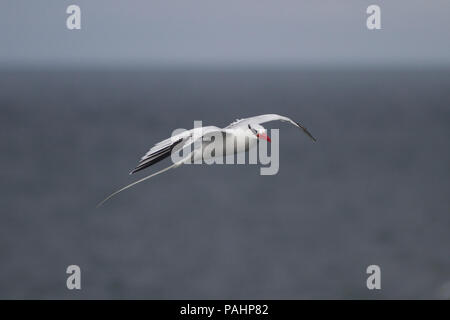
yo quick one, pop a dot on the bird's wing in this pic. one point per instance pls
(267, 118)
(183, 139)
(163, 149)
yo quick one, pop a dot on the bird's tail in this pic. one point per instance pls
(141, 180)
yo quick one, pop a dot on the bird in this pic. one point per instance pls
(246, 132)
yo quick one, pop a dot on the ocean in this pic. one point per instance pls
(373, 189)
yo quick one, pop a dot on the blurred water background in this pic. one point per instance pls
(374, 189)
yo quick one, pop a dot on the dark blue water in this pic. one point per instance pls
(374, 189)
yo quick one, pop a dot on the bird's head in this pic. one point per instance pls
(259, 131)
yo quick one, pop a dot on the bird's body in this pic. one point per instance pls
(239, 136)
(232, 142)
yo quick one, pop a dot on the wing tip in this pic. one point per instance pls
(139, 168)
(306, 131)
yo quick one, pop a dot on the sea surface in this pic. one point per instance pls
(374, 188)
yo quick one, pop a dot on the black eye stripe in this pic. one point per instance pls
(253, 130)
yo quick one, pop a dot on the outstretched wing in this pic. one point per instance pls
(267, 118)
(158, 152)
(163, 149)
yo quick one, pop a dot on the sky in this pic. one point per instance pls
(231, 32)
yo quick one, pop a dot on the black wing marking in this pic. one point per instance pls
(306, 131)
(155, 156)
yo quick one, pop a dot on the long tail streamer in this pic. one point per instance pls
(139, 181)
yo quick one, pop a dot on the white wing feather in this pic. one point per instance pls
(267, 118)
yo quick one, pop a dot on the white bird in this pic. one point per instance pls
(245, 132)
